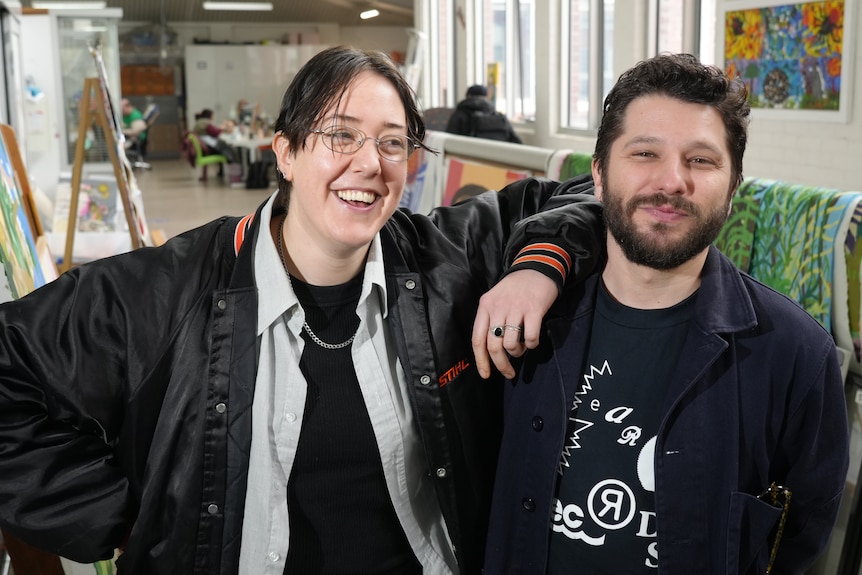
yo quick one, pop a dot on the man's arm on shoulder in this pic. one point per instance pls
(564, 243)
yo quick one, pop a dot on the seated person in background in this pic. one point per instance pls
(134, 126)
(475, 116)
(209, 135)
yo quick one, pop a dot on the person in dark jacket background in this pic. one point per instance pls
(678, 416)
(476, 116)
(292, 391)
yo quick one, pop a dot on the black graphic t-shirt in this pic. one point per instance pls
(604, 516)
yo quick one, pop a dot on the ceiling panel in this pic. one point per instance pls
(342, 12)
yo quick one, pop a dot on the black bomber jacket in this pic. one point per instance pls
(126, 384)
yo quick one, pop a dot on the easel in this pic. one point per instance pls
(96, 110)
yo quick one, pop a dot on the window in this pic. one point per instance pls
(507, 55)
(670, 21)
(588, 37)
(440, 21)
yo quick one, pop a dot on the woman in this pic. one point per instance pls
(292, 391)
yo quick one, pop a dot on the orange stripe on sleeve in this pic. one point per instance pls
(553, 262)
(550, 248)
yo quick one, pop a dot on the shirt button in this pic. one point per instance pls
(212, 509)
(410, 284)
(528, 504)
(222, 304)
(441, 472)
(538, 423)
(220, 407)
(425, 380)
(273, 556)
(291, 417)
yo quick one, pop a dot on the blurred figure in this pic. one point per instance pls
(134, 125)
(475, 116)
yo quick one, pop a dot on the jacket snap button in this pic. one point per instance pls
(212, 509)
(425, 380)
(528, 504)
(441, 472)
(273, 556)
(222, 305)
(220, 407)
(538, 423)
(410, 284)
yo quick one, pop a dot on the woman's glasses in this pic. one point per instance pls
(347, 140)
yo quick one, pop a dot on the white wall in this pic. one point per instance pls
(44, 156)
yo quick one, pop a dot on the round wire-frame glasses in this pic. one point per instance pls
(347, 140)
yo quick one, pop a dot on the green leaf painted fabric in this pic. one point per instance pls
(853, 259)
(794, 241)
(736, 239)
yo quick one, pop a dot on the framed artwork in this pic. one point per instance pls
(796, 58)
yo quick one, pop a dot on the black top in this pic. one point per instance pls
(341, 515)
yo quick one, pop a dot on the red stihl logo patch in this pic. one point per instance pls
(453, 372)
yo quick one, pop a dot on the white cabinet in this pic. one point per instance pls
(218, 76)
(55, 55)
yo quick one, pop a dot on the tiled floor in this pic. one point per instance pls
(175, 201)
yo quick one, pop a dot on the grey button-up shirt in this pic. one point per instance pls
(277, 414)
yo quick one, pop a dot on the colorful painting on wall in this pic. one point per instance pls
(791, 56)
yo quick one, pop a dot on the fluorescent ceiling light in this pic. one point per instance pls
(239, 6)
(69, 5)
(373, 13)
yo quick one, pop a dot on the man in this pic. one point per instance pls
(134, 126)
(671, 391)
(476, 116)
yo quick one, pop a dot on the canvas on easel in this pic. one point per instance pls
(14, 153)
(22, 270)
(96, 107)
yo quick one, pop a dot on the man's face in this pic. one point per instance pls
(666, 188)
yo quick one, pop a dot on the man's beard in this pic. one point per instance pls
(654, 248)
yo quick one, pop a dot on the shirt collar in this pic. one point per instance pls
(274, 292)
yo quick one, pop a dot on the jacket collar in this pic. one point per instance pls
(243, 235)
(723, 304)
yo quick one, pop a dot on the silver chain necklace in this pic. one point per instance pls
(311, 334)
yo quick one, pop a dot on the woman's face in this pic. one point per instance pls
(338, 202)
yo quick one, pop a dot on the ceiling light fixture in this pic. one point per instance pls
(366, 14)
(239, 6)
(69, 5)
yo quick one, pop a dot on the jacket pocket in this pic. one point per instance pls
(749, 525)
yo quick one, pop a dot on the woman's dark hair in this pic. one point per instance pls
(683, 77)
(205, 113)
(322, 82)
